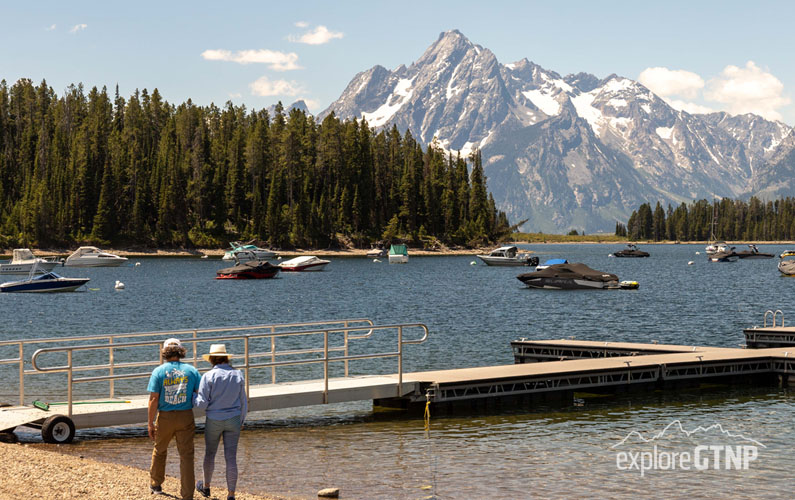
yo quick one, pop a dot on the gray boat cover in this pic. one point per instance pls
(576, 270)
(787, 267)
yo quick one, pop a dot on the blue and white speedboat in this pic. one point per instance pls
(47, 282)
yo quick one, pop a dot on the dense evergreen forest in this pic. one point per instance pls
(753, 220)
(142, 172)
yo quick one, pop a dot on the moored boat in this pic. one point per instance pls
(93, 257)
(23, 260)
(398, 254)
(574, 276)
(508, 256)
(377, 252)
(247, 251)
(787, 266)
(47, 282)
(248, 270)
(631, 251)
(305, 263)
(725, 253)
(754, 253)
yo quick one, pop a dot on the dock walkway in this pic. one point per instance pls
(568, 366)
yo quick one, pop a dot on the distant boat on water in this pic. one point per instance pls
(398, 254)
(23, 260)
(47, 282)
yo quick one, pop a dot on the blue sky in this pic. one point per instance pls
(704, 55)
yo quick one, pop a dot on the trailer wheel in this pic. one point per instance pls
(58, 429)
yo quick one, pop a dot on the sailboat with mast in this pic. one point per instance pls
(714, 246)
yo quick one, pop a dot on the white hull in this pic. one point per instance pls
(245, 255)
(503, 261)
(93, 257)
(96, 263)
(43, 266)
(309, 268)
(398, 259)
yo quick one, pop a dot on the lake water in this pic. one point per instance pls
(473, 312)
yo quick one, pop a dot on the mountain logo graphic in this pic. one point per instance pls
(677, 425)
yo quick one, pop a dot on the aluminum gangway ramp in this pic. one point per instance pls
(331, 344)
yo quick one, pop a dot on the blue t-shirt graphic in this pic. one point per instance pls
(175, 382)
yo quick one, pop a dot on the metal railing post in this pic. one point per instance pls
(273, 354)
(346, 348)
(112, 387)
(248, 378)
(195, 351)
(325, 367)
(21, 375)
(400, 361)
(69, 383)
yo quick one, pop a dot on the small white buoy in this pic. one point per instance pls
(690, 263)
(137, 264)
(205, 256)
(473, 263)
(119, 285)
(279, 257)
(698, 253)
(376, 260)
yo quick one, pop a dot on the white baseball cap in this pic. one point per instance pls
(170, 342)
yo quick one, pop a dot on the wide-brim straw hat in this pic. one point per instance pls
(217, 350)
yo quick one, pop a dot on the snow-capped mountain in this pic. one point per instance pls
(566, 152)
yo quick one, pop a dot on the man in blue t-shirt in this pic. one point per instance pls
(171, 389)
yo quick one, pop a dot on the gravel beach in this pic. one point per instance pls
(32, 473)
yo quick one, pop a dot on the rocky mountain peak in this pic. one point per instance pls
(573, 152)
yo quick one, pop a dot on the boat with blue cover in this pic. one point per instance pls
(550, 262)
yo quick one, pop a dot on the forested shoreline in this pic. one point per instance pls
(88, 168)
(735, 220)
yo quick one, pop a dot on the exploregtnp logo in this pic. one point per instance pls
(676, 448)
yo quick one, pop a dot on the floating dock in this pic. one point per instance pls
(542, 367)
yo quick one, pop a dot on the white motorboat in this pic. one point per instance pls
(43, 283)
(305, 263)
(377, 252)
(787, 265)
(508, 256)
(398, 254)
(247, 251)
(93, 257)
(23, 260)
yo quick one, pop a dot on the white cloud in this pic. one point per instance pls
(317, 36)
(748, 90)
(77, 27)
(266, 87)
(689, 107)
(277, 61)
(51, 28)
(235, 95)
(665, 82)
(302, 24)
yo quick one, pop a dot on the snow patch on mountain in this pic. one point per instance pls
(664, 132)
(583, 103)
(543, 101)
(394, 102)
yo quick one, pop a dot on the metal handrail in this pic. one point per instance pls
(192, 332)
(775, 314)
(70, 369)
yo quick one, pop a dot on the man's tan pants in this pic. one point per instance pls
(180, 425)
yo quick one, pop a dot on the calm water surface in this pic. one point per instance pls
(473, 312)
